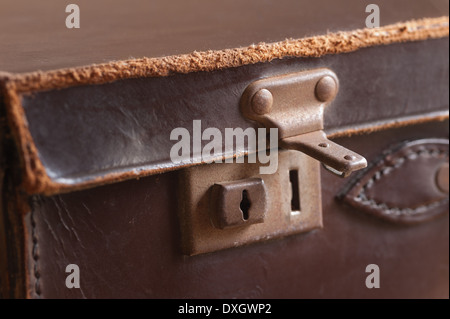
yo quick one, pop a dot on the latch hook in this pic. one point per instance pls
(294, 103)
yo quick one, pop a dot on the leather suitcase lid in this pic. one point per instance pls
(138, 49)
(111, 31)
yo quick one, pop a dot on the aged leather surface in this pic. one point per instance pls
(12, 234)
(125, 238)
(401, 185)
(87, 132)
(109, 31)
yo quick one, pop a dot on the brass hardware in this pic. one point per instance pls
(294, 104)
(284, 203)
(238, 203)
(334, 157)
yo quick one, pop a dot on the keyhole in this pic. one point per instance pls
(245, 204)
(295, 200)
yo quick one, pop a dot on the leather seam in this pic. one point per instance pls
(35, 255)
(385, 170)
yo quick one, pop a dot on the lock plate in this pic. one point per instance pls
(292, 197)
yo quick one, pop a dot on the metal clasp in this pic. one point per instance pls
(294, 103)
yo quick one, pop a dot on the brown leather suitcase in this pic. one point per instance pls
(235, 149)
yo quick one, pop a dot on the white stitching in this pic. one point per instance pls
(385, 170)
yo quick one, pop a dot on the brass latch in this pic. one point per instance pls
(294, 103)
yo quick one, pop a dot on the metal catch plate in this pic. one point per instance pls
(294, 104)
(291, 101)
(293, 203)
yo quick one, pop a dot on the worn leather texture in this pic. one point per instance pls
(67, 130)
(402, 185)
(125, 238)
(89, 132)
(111, 31)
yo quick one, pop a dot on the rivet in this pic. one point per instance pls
(262, 102)
(349, 157)
(442, 178)
(326, 89)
